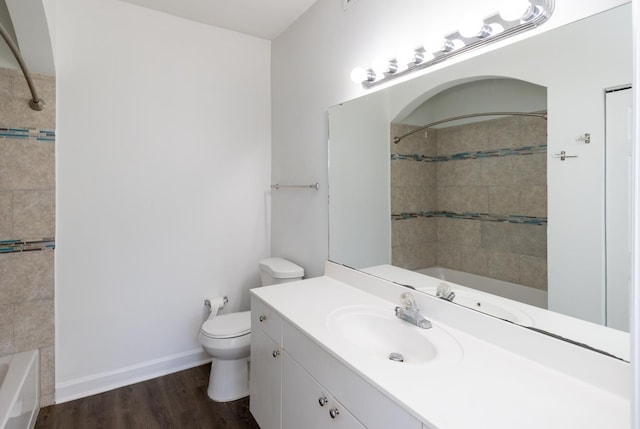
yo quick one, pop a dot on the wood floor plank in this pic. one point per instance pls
(174, 401)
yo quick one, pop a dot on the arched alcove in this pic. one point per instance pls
(471, 194)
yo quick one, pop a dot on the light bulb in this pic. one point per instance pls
(359, 75)
(513, 10)
(405, 55)
(457, 44)
(379, 66)
(496, 28)
(473, 26)
(435, 42)
(425, 56)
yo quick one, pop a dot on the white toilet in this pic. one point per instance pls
(227, 338)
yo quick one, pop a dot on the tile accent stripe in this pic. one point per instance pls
(27, 134)
(524, 150)
(485, 217)
(14, 246)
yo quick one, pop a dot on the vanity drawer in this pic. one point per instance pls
(365, 402)
(268, 320)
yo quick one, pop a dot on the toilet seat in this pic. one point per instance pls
(228, 325)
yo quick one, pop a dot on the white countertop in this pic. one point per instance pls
(488, 386)
(600, 337)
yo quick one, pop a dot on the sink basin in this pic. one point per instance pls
(376, 332)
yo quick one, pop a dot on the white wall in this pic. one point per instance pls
(32, 35)
(311, 64)
(360, 180)
(635, 224)
(163, 167)
(488, 95)
(7, 60)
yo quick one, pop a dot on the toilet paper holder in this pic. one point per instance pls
(207, 302)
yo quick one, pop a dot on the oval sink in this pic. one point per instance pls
(376, 332)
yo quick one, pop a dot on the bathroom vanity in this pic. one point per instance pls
(320, 359)
(294, 380)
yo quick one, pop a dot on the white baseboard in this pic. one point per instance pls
(102, 382)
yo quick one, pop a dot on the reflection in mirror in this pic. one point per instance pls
(472, 196)
(490, 204)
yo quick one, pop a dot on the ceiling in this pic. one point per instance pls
(265, 19)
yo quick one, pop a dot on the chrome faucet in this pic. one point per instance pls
(410, 312)
(444, 291)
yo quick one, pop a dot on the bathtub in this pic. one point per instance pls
(514, 291)
(19, 390)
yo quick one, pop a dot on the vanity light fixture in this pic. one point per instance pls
(514, 17)
(473, 26)
(435, 42)
(513, 10)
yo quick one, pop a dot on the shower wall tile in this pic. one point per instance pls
(407, 199)
(504, 199)
(502, 132)
(530, 170)
(458, 231)
(6, 214)
(496, 171)
(533, 272)
(459, 173)
(496, 236)
(6, 329)
(533, 200)
(26, 276)
(463, 199)
(15, 110)
(449, 256)
(414, 257)
(533, 131)
(463, 138)
(47, 376)
(421, 143)
(27, 211)
(529, 240)
(401, 172)
(34, 325)
(6, 83)
(34, 214)
(503, 266)
(11, 270)
(413, 231)
(473, 260)
(413, 173)
(26, 164)
(502, 191)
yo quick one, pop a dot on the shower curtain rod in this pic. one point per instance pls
(396, 140)
(36, 102)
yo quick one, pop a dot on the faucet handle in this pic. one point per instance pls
(408, 301)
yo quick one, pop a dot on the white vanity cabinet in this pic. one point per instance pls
(306, 404)
(265, 381)
(291, 375)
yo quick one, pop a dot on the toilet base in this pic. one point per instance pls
(228, 380)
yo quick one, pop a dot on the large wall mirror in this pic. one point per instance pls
(522, 215)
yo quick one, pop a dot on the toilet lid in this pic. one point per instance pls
(228, 325)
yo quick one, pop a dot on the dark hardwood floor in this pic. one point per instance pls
(174, 401)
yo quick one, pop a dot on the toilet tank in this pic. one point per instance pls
(278, 270)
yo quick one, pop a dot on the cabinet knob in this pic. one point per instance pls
(334, 413)
(276, 353)
(262, 318)
(323, 401)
